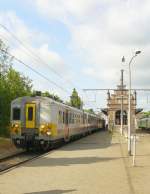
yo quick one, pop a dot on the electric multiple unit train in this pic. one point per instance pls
(144, 123)
(40, 122)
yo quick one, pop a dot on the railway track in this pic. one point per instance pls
(16, 160)
(13, 161)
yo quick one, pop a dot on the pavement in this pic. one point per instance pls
(96, 164)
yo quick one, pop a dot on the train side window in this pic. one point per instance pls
(60, 117)
(72, 117)
(63, 117)
(16, 113)
(66, 121)
(69, 117)
(30, 113)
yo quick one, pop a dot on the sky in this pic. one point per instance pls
(79, 43)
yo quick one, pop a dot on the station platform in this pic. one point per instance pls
(96, 164)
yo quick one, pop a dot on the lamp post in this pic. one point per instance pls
(121, 129)
(129, 103)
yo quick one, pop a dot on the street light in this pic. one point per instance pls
(129, 103)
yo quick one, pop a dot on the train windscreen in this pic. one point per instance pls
(16, 113)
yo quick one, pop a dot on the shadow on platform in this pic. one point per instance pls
(97, 140)
(45, 162)
(52, 192)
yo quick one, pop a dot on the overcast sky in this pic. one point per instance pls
(81, 43)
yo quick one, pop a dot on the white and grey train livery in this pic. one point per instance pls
(40, 122)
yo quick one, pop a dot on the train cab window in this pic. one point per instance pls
(30, 113)
(16, 113)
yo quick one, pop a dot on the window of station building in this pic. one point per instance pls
(16, 114)
(124, 118)
(118, 118)
(30, 113)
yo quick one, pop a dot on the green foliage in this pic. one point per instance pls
(53, 96)
(75, 100)
(12, 85)
(147, 114)
(90, 111)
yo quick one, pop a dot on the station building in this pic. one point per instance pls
(117, 109)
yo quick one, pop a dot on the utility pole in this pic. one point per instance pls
(122, 87)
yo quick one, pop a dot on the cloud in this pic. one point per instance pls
(35, 52)
(101, 31)
(104, 31)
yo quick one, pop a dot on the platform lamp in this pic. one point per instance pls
(129, 103)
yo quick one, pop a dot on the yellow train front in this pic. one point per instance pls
(40, 122)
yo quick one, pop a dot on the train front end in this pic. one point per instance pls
(26, 129)
(23, 122)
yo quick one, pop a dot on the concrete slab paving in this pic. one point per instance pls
(96, 164)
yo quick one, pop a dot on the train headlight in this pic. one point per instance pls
(42, 129)
(45, 129)
(42, 126)
(15, 128)
(48, 133)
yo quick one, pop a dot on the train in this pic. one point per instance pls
(41, 122)
(144, 123)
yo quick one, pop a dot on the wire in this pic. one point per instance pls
(40, 74)
(35, 56)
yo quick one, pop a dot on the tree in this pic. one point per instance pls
(147, 114)
(75, 100)
(90, 111)
(53, 96)
(12, 85)
(5, 60)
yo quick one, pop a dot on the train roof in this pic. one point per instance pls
(146, 118)
(50, 100)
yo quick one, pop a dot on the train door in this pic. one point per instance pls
(66, 131)
(30, 115)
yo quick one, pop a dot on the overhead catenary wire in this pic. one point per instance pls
(37, 58)
(35, 71)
